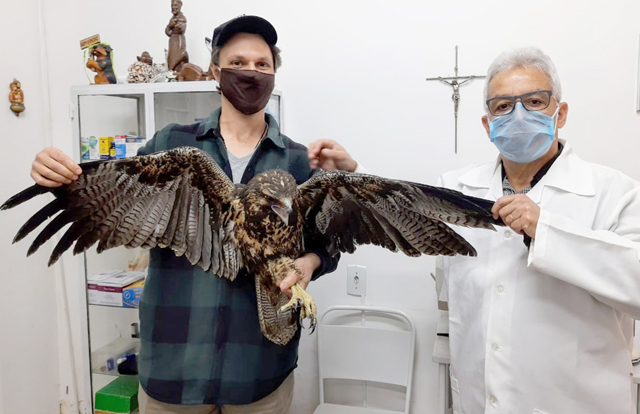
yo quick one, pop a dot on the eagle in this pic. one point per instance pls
(181, 199)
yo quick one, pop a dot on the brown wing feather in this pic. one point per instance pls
(175, 198)
(343, 210)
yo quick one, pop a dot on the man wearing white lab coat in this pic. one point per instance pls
(541, 320)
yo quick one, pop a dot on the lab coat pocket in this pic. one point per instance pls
(455, 395)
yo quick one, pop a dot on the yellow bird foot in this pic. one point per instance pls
(302, 300)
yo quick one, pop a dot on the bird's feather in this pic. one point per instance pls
(149, 201)
(345, 210)
(181, 199)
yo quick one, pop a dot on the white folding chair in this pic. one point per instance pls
(366, 352)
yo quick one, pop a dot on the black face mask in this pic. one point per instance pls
(247, 90)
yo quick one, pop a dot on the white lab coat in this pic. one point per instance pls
(547, 331)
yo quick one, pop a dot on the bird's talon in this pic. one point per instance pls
(313, 325)
(301, 300)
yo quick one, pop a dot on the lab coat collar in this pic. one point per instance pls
(568, 173)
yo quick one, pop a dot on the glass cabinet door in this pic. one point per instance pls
(183, 107)
(137, 112)
(110, 115)
(109, 327)
(191, 107)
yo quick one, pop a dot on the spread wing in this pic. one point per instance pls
(179, 199)
(343, 210)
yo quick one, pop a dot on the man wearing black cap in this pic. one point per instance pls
(202, 348)
(203, 345)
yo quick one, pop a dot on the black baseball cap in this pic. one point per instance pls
(244, 24)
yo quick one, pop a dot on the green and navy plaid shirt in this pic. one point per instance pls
(201, 339)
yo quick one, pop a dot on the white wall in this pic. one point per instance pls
(28, 329)
(355, 71)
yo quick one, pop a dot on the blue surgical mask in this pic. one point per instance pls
(523, 136)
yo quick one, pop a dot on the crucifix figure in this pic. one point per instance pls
(455, 83)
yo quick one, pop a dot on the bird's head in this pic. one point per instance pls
(276, 190)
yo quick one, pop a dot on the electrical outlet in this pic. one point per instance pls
(356, 280)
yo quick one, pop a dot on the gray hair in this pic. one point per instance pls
(275, 51)
(524, 57)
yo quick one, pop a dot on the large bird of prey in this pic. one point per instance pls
(181, 199)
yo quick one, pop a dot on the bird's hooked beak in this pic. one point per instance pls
(284, 210)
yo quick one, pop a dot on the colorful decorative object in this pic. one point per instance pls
(16, 97)
(144, 70)
(176, 28)
(101, 62)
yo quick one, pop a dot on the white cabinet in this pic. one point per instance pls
(139, 110)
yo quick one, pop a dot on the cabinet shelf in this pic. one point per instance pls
(104, 360)
(111, 306)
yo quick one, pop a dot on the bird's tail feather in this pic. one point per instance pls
(278, 327)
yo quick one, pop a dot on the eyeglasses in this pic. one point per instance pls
(532, 101)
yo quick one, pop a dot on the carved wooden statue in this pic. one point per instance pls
(100, 62)
(176, 28)
(191, 72)
(16, 97)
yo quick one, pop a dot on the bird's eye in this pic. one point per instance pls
(269, 195)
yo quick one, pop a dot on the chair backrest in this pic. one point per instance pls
(367, 352)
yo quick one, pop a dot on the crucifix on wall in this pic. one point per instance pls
(455, 82)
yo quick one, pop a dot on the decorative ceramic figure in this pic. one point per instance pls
(177, 42)
(101, 63)
(16, 97)
(144, 71)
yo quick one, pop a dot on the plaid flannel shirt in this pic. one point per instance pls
(200, 334)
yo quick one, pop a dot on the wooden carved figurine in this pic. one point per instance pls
(191, 72)
(16, 97)
(100, 62)
(177, 42)
(145, 58)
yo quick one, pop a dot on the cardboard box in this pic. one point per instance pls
(116, 288)
(111, 289)
(105, 148)
(93, 293)
(131, 294)
(119, 396)
(94, 148)
(121, 145)
(132, 144)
